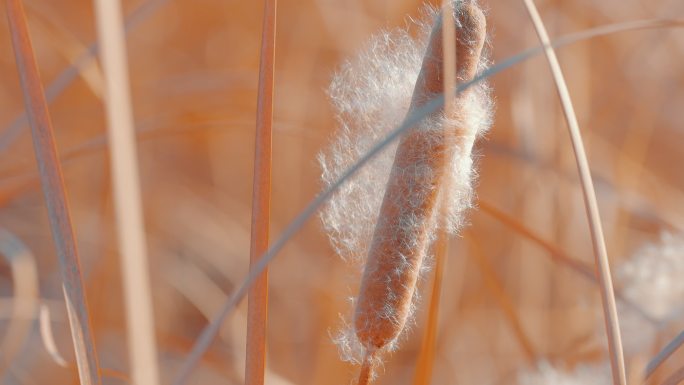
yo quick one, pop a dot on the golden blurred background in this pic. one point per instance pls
(506, 303)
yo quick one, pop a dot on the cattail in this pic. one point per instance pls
(407, 216)
(394, 77)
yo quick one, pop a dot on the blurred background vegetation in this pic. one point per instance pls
(506, 304)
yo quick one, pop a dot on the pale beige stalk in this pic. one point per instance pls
(125, 180)
(617, 360)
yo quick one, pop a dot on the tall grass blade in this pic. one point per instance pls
(257, 310)
(617, 360)
(497, 289)
(664, 354)
(55, 195)
(426, 358)
(130, 226)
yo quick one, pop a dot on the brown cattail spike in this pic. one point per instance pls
(406, 221)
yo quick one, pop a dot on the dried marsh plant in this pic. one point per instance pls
(394, 76)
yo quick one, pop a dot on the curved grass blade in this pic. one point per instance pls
(617, 359)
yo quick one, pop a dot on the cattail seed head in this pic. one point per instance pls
(407, 215)
(392, 77)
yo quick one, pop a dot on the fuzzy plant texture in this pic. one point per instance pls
(652, 279)
(580, 375)
(372, 95)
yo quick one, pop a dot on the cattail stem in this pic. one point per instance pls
(367, 368)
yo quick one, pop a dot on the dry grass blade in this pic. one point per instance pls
(25, 301)
(426, 357)
(126, 183)
(617, 360)
(66, 44)
(556, 253)
(55, 195)
(664, 354)
(257, 311)
(518, 227)
(210, 331)
(48, 338)
(493, 283)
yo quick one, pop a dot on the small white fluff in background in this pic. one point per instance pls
(545, 374)
(653, 279)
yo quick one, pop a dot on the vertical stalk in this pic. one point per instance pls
(426, 358)
(257, 308)
(127, 201)
(55, 195)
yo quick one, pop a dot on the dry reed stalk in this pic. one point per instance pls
(557, 254)
(257, 308)
(130, 226)
(617, 360)
(66, 44)
(55, 195)
(47, 337)
(425, 363)
(663, 355)
(497, 289)
(408, 211)
(426, 356)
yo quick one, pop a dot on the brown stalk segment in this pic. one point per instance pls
(55, 195)
(257, 308)
(366, 373)
(407, 214)
(426, 359)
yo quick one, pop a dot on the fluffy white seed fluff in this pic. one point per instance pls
(371, 94)
(581, 375)
(652, 279)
